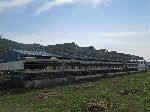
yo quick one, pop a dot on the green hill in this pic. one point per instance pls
(9, 44)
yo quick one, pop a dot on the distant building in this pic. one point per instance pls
(87, 50)
(148, 65)
(141, 65)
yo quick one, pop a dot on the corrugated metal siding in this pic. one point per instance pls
(16, 65)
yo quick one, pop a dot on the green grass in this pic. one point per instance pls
(73, 98)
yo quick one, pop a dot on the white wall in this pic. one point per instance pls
(141, 66)
(15, 65)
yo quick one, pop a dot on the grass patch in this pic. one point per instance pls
(99, 95)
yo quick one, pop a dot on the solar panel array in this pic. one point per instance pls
(14, 54)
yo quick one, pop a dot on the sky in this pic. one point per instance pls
(116, 25)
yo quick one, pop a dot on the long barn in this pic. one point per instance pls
(45, 68)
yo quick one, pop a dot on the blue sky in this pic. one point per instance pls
(121, 25)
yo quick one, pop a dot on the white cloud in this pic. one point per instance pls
(132, 42)
(32, 38)
(46, 39)
(55, 3)
(52, 4)
(7, 4)
(126, 38)
(122, 34)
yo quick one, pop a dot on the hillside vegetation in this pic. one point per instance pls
(129, 93)
(66, 50)
(9, 44)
